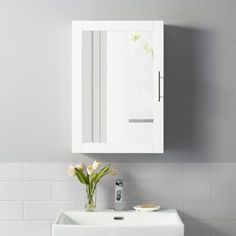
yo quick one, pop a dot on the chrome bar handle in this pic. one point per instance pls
(159, 86)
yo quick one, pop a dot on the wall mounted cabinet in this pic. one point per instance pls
(117, 86)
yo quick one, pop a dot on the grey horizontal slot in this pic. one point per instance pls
(118, 218)
(140, 120)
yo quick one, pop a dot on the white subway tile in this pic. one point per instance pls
(122, 169)
(25, 228)
(210, 171)
(104, 205)
(178, 205)
(171, 190)
(106, 191)
(11, 210)
(170, 171)
(80, 205)
(143, 171)
(224, 171)
(224, 191)
(141, 191)
(110, 205)
(198, 171)
(156, 171)
(68, 191)
(46, 210)
(184, 191)
(10, 171)
(45, 171)
(24, 191)
(197, 191)
(197, 228)
(223, 228)
(210, 209)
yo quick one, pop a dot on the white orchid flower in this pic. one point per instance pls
(79, 166)
(90, 170)
(71, 170)
(96, 165)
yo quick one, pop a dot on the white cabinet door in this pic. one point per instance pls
(117, 87)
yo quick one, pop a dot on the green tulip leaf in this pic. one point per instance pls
(81, 176)
(101, 173)
(92, 177)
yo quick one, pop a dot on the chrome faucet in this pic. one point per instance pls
(119, 206)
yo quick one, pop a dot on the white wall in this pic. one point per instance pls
(35, 76)
(196, 174)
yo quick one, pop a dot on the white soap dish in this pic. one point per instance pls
(147, 207)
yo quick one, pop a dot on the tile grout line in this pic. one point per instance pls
(22, 180)
(23, 209)
(22, 171)
(183, 170)
(211, 197)
(50, 191)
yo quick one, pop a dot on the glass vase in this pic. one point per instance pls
(91, 198)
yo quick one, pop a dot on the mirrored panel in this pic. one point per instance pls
(117, 86)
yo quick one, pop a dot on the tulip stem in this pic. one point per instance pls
(91, 201)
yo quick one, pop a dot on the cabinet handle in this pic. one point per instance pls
(140, 120)
(159, 86)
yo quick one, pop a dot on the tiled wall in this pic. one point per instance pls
(32, 194)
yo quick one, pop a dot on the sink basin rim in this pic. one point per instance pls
(176, 223)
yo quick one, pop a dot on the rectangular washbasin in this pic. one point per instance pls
(112, 223)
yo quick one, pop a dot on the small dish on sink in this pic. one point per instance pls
(147, 207)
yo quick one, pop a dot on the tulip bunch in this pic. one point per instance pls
(90, 176)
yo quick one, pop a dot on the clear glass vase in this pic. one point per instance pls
(91, 198)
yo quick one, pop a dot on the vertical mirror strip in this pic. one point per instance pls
(94, 86)
(103, 85)
(87, 84)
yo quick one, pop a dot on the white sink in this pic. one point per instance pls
(112, 223)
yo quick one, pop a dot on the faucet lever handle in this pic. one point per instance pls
(119, 182)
